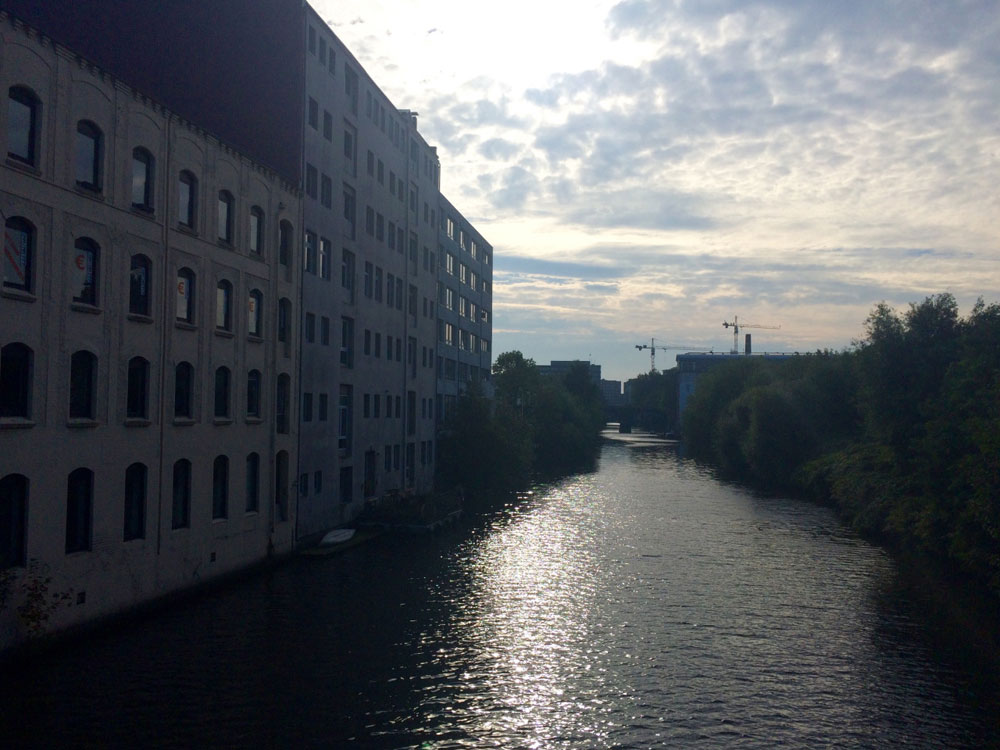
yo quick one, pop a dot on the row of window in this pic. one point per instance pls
(465, 274)
(23, 137)
(465, 241)
(16, 376)
(80, 503)
(371, 407)
(451, 335)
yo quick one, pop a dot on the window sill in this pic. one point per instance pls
(76, 422)
(222, 420)
(183, 421)
(15, 423)
(146, 212)
(24, 166)
(185, 326)
(186, 229)
(137, 422)
(222, 332)
(225, 244)
(18, 294)
(255, 420)
(91, 191)
(138, 318)
(85, 308)
(254, 339)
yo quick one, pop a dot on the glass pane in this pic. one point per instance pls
(20, 130)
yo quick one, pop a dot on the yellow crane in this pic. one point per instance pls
(736, 325)
(653, 346)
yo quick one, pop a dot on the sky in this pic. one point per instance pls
(655, 168)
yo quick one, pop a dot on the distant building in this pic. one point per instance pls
(692, 365)
(611, 392)
(562, 366)
(464, 307)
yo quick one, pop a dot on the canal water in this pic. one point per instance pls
(643, 605)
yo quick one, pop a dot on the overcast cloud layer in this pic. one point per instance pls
(651, 168)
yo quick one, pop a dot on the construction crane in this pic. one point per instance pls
(652, 346)
(736, 325)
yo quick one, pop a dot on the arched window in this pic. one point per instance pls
(89, 155)
(226, 217)
(253, 394)
(282, 399)
(15, 380)
(139, 291)
(255, 313)
(185, 295)
(253, 482)
(181, 511)
(224, 306)
(187, 199)
(285, 239)
(183, 389)
(137, 402)
(82, 385)
(284, 319)
(220, 488)
(222, 389)
(85, 271)
(142, 179)
(79, 510)
(256, 240)
(13, 512)
(281, 485)
(18, 254)
(135, 502)
(23, 111)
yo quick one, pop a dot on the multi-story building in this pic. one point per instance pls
(371, 192)
(464, 307)
(284, 235)
(147, 341)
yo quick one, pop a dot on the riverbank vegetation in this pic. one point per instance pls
(652, 402)
(535, 426)
(902, 432)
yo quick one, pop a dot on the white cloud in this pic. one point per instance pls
(652, 167)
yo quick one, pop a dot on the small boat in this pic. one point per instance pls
(337, 536)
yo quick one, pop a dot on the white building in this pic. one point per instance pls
(147, 341)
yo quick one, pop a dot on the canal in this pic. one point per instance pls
(643, 605)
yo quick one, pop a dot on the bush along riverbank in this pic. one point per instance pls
(537, 426)
(901, 433)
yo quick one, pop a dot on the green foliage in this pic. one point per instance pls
(902, 433)
(535, 425)
(654, 400)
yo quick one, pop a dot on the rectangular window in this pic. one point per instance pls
(327, 125)
(345, 408)
(324, 330)
(350, 211)
(310, 252)
(347, 342)
(368, 281)
(313, 114)
(347, 273)
(326, 191)
(307, 407)
(311, 181)
(253, 483)
(323, 407)
(325, 251)
(378, 284)
(310, 327)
